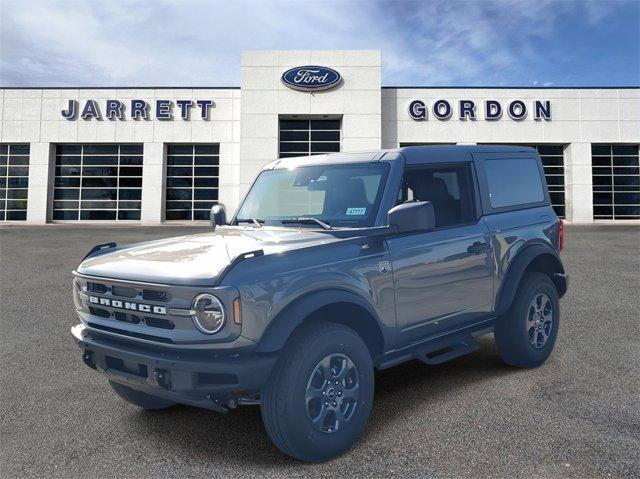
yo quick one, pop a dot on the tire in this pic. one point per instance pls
(140, 399)
(299, 385)
(524, 339)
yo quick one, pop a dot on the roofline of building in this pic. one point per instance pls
(425, 87)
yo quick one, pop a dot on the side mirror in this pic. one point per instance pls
(410, 217)
(218, 215)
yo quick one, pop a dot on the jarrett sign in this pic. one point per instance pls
(137, 109)
(491, 109)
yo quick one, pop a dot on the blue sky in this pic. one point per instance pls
(187, 43)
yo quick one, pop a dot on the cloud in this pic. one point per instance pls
(198, 43)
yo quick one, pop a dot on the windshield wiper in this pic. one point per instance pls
(256, 221)
(309, 220)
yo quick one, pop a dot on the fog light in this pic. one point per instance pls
(208, 313)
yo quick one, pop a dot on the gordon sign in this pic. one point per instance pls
(492, 109)
(137, 109)
(311, 78)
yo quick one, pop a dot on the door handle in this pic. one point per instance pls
(478, 247)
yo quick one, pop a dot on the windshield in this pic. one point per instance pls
(339, 195)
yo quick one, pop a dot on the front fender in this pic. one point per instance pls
(281, 327)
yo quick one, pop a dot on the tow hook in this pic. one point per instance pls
(163, 378)
(87, 357)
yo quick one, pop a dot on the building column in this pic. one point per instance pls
(41, 174)
(153, 183)
(578, 183)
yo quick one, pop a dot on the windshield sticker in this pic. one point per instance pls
(356, 211)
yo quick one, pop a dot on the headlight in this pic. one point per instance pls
(208, 313)
(77, 300)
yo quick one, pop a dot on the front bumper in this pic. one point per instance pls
(210, 379)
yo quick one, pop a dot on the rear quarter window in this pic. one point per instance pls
(513, 182)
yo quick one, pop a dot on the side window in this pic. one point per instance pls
(513, 182)
(448, 187)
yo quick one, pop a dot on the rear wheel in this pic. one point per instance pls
(140, 399)
(527, 333)
(318, 399)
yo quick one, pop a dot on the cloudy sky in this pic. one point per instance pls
(198, 43)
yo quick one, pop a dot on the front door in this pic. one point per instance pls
(443, 278)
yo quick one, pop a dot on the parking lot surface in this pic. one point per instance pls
(576, 416)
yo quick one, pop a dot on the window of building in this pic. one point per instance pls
(616, 182)
(513, 182)
(308, 137)
(14, 182)
(192, 181)
(98, 182)
(447, 187)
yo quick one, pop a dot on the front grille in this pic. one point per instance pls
(148, 337)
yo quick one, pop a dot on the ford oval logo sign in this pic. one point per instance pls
(311, 78)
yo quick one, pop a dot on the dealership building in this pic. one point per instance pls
(154, 155)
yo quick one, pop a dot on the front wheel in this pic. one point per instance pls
(318, 399)
(526, 334)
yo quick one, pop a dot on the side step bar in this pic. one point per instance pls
(447, 353)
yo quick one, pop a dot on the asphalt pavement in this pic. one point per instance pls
(576, 416)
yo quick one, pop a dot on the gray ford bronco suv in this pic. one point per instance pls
(332, 266)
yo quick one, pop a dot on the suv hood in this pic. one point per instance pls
(196, 259)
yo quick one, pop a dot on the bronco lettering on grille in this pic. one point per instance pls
(116, 303)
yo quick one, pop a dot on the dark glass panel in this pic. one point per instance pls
(179, 171)
(203, 205)
(66, 205)
(100, 194)
(178, 215)
(19, 149)
(632, 212)
(18, 171)
(3, 160)
(68, 149)
(174, 149)
(173, 194)
(325, 124)
(179, 182)
(130, 171)
(601, 161)
(129, 205)
(97, 204)
(202, 214)
(294, 136)
(129, 215)
(100, 160)
(617, 161)
(131, 149)
(202, 194)
(99, 182)
(4, 149)
(19, 160)
(300, 148)
(130, 194)
(16, 215)
(602, 198)
(206, 160)
(65, 215)
(18, 182)
(600, 149)
(620, 170)
(68, 171)
(207, 149)
(626, 180)
(550, 149)
(205, 171)
(625, 150)
(178, 205)
(205, 182)
(131, 182)
(100, 149)
(99, 171)
(627, 198)
(97, 215)
(325, 136)
(131, 160)
(14, 194)
(294, 124)
(325, 147)
(66, 194)
(179, 160)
